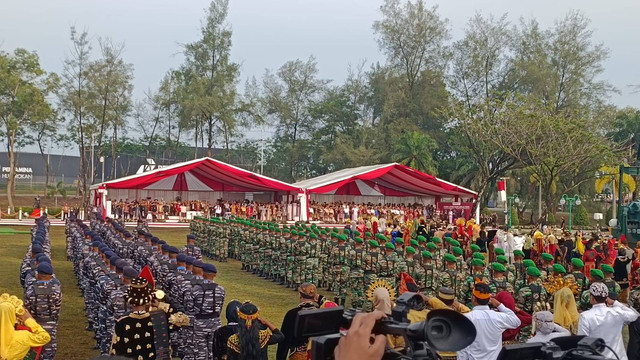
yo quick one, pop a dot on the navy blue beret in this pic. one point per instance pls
(45, 268)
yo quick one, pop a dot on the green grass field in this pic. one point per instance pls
(76, 343)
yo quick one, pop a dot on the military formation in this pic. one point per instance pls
(42, 293)
(106, 258)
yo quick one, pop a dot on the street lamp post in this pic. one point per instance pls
(571, 200)
(511, 199)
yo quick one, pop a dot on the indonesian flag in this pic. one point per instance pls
(502, 190)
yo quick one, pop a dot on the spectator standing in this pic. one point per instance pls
(291, 347)
(489, 325)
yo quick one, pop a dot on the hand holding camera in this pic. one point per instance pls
(359, 341)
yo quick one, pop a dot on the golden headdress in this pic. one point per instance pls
(13, 300)
(381, 284)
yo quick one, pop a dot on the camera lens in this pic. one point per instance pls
(437, 330)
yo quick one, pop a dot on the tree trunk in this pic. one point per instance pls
(12, 167)
(45, 158)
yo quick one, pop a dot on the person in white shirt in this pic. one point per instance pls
(489, 325)
(546, 329)
(605, 320)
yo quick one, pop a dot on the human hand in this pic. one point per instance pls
(610, 301)
(22, 318)
(357, 343)
(494, 302)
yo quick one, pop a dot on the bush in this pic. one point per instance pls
(486, 211)
(551, 220)
(581, 216)
(515, 221)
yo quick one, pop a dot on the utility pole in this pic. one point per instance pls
(93, 138)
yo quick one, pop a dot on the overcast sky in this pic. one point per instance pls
(266, 33)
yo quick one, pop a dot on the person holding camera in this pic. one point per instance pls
(489, 325)
(605, 320)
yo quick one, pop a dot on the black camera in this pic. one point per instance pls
(564, 347)
(443, 330)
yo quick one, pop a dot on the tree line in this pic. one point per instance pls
(508, 99)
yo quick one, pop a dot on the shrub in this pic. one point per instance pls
(581, 216)
(551, 219)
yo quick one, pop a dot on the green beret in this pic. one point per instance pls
(448, 239)
(478, 256)
(414, 242)
(356, 233)
(389, 245)
(358, 239)
(498, 251)
(474, 248)
(342, 237)
(502, 259)
(559, 269)
(518, 253)
(533, 271)
(278, 230)
(422, 238)
(346, 231)
(368, 234)
(596, 273)
(477, 262)
(457, 250)
(334, 234)
(496, 266)
(373, 244)
(577, 262)
(436, 240)
(606, 268)
(547, 257)
(528, 263)
(426, 254)
(313, 236)
(381, 237)
(454, 243)
(286, 231)
(431, 246)
(450, 258)
(294, 233)
(324, 232)
(410, 250)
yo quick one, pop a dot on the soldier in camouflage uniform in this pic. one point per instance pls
(509, 274)
(461, 265)
(633, 347)
(371, 269)
(425, 273)
(519, 283)
(546, 269)
(614, 287)
(577, 276)
(438, 253)
(499, 280)
(451, 277)
(478, 274)
(389, 265)
(43, 299)
(205, 300)
(355, 261)
(410, 265)
(518, 269)
(311, 250)
(531, 298)
(340, 268)
(585, 300)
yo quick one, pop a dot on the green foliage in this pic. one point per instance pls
(551, 219)
(581, 216)
(515, 220)
(486, 211)
(58, 189)
(416, 150)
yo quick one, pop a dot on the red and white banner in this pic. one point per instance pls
(502, 190)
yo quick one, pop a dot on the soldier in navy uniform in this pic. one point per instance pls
(191, 249)
(43, 299)
(205, 301)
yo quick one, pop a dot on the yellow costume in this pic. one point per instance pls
(15, 344)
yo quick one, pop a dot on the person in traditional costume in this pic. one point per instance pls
(254, 336)
(222, 335)
(16, 342)
(538, 246)
(546, 329)
(134, 335)
(589, 258)
(291, 347)
(565, 310)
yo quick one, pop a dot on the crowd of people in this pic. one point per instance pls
(532, 287)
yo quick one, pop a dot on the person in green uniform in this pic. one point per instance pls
(610, 281)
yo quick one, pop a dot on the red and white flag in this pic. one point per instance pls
(502, 190)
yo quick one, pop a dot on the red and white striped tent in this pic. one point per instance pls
(386, 183)
(199, 179)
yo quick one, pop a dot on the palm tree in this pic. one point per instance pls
(609, 176)
(416, 151)
(54, 191)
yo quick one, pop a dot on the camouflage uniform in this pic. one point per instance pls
(44, 300)
(205, 300)
(356, 259)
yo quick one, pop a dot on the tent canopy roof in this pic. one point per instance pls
(382, 180)
(205, 174)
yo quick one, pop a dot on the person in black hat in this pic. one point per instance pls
(134, 334)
